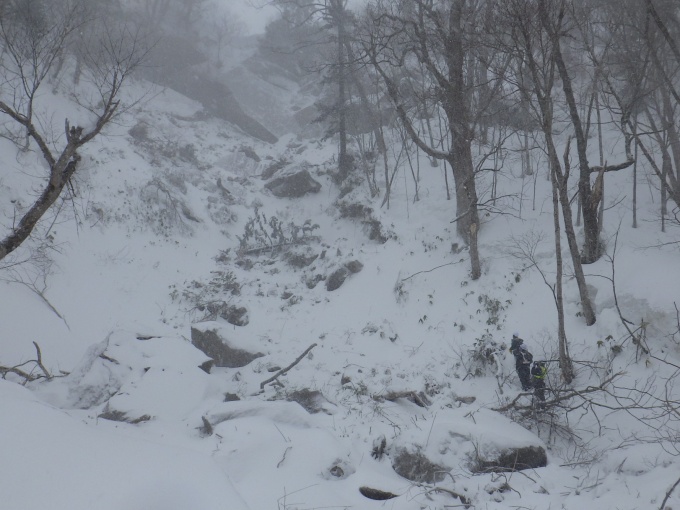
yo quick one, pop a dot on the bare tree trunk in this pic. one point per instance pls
(562, 180)
(589, 200)
(600, 216)
(344, 161)
(635, 179)
(565, 360)
(542, 83)
(454, 101)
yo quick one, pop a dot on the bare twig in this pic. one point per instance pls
(285, 370)
(430, 270)
(284, 456)
(559, 398)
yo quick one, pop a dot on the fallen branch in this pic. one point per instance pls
(39, 362)
(558, 399)
(463, 499)
(430, 270)
(285, 370)
(29, 377)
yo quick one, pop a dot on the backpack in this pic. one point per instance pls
(526, 356)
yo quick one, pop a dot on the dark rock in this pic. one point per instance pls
(312, 281)
(220, 351)
(336, 279)
(374, 231)
(269, 172)
(236, 315)
(465, 400)
(250, 153)
(300, 260)
(123, 417)
(207, 366)
(354, 266)
(231, 397)
(313, 401)
(416, 467)
(294, 185)
(376, 494)
(513, 459)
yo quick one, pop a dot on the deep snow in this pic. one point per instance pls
(406, 322)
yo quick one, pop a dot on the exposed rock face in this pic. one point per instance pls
(220, 350)
(173, 68)
(293, 185)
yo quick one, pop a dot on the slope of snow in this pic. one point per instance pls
(152, 222)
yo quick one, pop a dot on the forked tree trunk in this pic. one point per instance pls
(541, 89)
(589, 200)
(565, 361)
(562, 181)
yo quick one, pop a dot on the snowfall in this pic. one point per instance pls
(128, 419)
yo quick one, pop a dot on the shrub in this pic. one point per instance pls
(260, 234)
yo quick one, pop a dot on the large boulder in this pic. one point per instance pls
(415, 466)
(467, 439)
(293, 185)
(224, 352)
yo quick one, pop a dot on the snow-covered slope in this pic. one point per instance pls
(153, 233)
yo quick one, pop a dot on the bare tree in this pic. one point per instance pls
(440, 38)
(27, 60)
(553, 17)
(534, 75)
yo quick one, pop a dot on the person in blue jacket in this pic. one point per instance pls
(523, 359)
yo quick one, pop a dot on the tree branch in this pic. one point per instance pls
(285, 370)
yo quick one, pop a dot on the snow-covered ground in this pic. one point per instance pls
(154, 229)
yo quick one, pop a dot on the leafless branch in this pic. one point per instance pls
(28, 376)
(285, 370)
